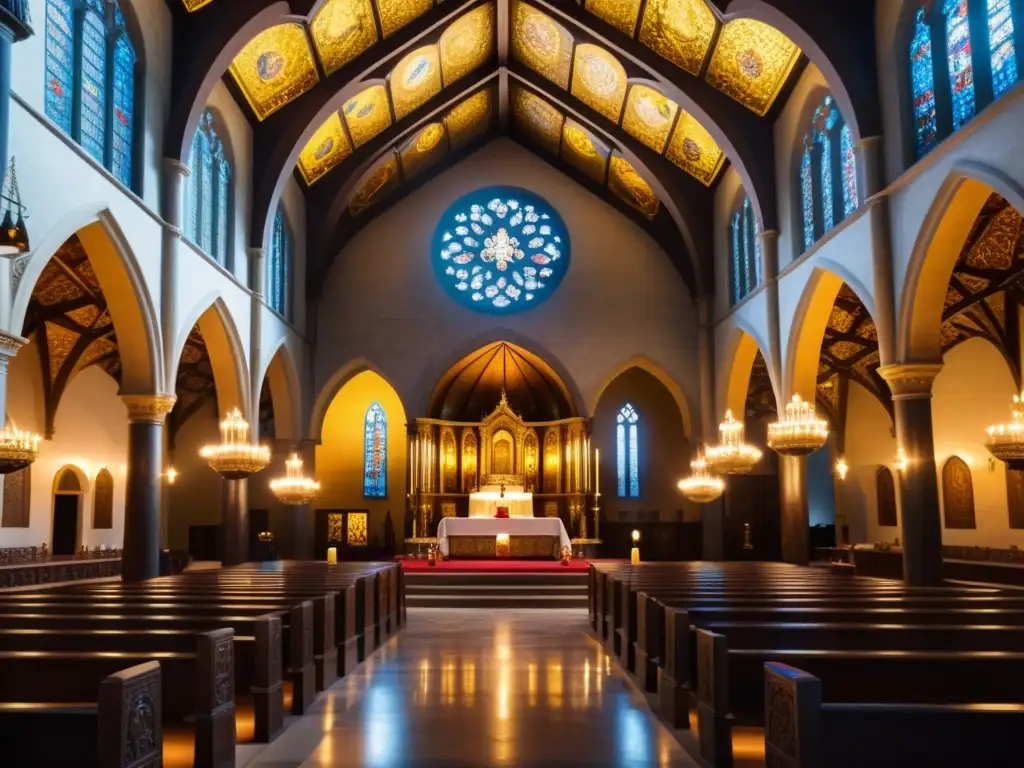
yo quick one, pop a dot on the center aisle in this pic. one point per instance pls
(481, 688)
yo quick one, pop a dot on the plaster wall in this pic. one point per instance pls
(195, 498)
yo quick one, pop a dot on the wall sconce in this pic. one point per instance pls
(172, 475)
(901, 461)
(842, 468)
(634, 555)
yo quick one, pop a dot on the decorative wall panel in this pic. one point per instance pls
(957, 494)
(627, 184)
(552, 460)
(470, 453)
(375, 186)
(541, 43)
(357, 529)
(341, 30)
(424, 150)
(537, 118)
(621, 14)
(679, 30)
(103, 501)
(751, 63)
(469, 119)
(599, 80)
(1014, 497)
(395, 14)
(693, 149)
(449, 461)
(17, 492)
(414, 80)
(328, 147)
(335, 528)
(367, 114)
(466, 43)
(275, 67)
(585, 151)
(649, 116)
(886, 495)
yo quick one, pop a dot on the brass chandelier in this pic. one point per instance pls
(731, 456)
(235, 457)
(1006, 441)
(701, 486)
(294, 489)
(18, 449)
(800, 432)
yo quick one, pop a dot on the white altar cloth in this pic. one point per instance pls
(513, 526)
(486, 503)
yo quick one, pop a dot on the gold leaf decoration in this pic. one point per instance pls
(469, 119)
(395, 14)
(275, 67)
(621, 14)
(328, 147)
(414, 80)
(844, 350)
(751, 63)
(424, 150)
(195, 5)
(693, 149)
(649, 116)
(99, 348)
(973, 282)
(367, 114)
(584, 150)
(538, 119)
(343, 29)
(679, 30)
(375, 186)
(599, 80)
(59, 341)
(357, 536)
(334, 531)
(85, 316)
(840, 320)
(541, 43)
(626, 183)
(997, 246)
(467, 43)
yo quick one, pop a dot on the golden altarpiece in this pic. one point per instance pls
(551, 460)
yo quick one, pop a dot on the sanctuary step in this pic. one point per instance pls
(496, 590)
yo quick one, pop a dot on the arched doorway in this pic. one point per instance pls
(68, 489)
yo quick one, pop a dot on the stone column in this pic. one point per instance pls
(9, 346)
(146, 414)
(14, 27)
(770, 269)
(175, 180)
(793, 509)
(258, 276)
(235, 522)
(712, 516)
(918, 486)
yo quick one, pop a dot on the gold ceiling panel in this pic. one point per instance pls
(195, 5)
(584, 150)
(751, 63)
(328, 147)
(414, 80)
(626, 183)
(59, 341)
(99, 348)
(469, 119)
(85, 316)
(343, 29)
(424, 150)
(679, 30)
(375, 186)
(621, 14)
(538, 119)
(467, 43)
(541, 43)
(395, 14)
(367, 114)
(694, 150)
(275, 67)
(997, 246)
(599, 80)
(649, 116)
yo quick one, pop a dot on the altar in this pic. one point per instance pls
(477, 537)
(487, 501)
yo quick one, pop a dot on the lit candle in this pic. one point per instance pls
(332, 555)
(597, 471)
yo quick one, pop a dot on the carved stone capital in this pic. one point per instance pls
(10, 344)
(176, 166)
(910, 381)
(149, 408)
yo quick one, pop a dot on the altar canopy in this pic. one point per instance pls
(514, 526)
(485, 502)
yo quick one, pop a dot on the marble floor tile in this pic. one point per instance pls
(474, 687)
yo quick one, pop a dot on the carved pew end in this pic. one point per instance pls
(714, 723)
(792, 717)
(325, 650)
(130, 718)
(215, 700)
(675, 690)
(301, 669)
(267, 690)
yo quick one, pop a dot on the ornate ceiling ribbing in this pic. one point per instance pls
(194, 386)
(760, 395)
(600, 81)
(195, 5)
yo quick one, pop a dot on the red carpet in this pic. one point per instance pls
(496, 566)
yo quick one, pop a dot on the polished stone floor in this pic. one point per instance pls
(480, 688)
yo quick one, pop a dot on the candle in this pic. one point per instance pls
(597, 471)
(332, 555)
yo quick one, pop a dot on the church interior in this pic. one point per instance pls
(511, 382)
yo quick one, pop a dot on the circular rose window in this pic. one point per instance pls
(500, 250)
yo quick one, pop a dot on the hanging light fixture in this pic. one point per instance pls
(294, 489)
(18, 449)
(13, 233)
(235, 457)
(1006, 441)
(842, 468)
(701, 486)
(731, 456)
(800, 433)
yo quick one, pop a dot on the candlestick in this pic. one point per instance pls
(597, 471)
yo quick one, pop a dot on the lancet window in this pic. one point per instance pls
(209, 223)
(280, 264)
(375, 453)
(745, 252)
(627, 459)
(828, 172)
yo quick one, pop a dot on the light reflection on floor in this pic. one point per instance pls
(481, 688)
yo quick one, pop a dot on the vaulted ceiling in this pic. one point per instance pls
(643, 102)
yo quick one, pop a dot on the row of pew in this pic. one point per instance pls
(819, 668)
(179, 670)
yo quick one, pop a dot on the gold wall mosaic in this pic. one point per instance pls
(469, 119)
(375, 185)
(395, 14)
(357, 535)
(335, 532)
(751, 63)
(414, 80)
(679, 30)
(538, 119)
(275, 67)
(466, 43)
(422, 151)
(584, 150)
(621, 14)
(195, 5)
(541, 43)
(693, 149)
(648, 116)
(367, 114)
(599, 80)
(631, 187)
(328, 147)
(341, 30)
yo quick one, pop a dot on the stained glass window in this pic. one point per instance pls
(223, 217)
(627, 459)
(123, 106)
(209, 224)
(60, 64)
(375, 453)
(922, 78)
(205, 239)
(737, 258)
(848, 161)
(1001, 46)
(807, 195)
(828, 161)
(279, 265)
(961, 69)
(92, 84)
(745, 248)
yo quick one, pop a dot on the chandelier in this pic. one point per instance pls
(731, 456)
(13, 235)
(799, 433)
(235, 457)
(701, 486)
(294, 489)
(1006, 441)
(17, 449)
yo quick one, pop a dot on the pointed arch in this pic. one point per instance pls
(334, 385)
(742, 351)
(645, 363)
(282, 375)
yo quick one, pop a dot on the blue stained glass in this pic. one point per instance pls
(922, 80)
(634, 464)
(827, 218)
(124, 103)
(375, 453)
(961, 69)
(620, 459)
(93, 83)
(748, 250)
(750, 225)
(60, 65)
(195, 188)
(737, 258)
(1001, 46)
(279, 264)
(807, 196)
(206, 233)
(848, 161)
(223, 210)
(627, 460)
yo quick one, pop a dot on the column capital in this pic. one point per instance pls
(173, 165)
(149, 408)
(910, 381)
(10, 343)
